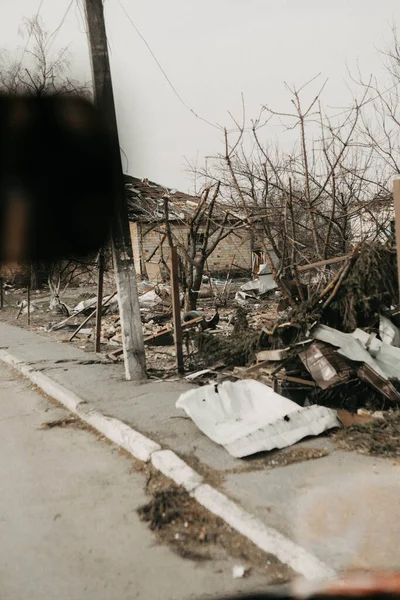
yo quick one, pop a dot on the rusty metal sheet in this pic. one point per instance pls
(325, 366)
(384, 387)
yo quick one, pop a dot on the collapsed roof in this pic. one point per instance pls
(145, 201)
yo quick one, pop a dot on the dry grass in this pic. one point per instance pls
(70, 421)
(196, 534)
(379, 438)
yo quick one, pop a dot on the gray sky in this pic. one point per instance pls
(212, 51)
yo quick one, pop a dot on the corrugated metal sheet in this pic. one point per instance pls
(247, 417)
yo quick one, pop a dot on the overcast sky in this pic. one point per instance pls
(212, 51)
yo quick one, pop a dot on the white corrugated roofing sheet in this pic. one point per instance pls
(247, 416)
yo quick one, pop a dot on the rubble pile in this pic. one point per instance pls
(156, 311)
(339, 347)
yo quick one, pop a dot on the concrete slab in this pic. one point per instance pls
(343, 508)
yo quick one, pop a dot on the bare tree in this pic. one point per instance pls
(63, 274)
(301, 203)
(39, 72)
(202, 229)
(379, 129)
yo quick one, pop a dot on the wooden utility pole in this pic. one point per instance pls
(132, 335)
(29, 302)
(176, 309)
(396, 202)
(100, 279)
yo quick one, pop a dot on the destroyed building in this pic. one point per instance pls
(241, 251)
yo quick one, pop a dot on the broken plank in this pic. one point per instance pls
(273, 355)
(116, 354)
(321, 263)
(186, 325)
(256, 367)
(296, 380)
(396, 202)
(92, 314)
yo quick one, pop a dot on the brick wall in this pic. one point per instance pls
(235, 247)
(135, 245)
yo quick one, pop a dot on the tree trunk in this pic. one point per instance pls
(34, 278)
(196, 285)
(39, 274)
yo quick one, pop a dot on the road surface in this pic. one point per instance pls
(68, 521)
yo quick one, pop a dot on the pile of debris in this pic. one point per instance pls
(350, 370)
(339, 347)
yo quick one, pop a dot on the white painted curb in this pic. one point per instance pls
(167, 462)
(266, 538)
(116, 431)
(176, 469)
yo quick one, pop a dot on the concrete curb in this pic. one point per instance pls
(169, 463)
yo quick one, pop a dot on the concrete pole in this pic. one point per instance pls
(125, 275)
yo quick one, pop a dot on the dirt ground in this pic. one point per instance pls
(42, 319)
(196, 534)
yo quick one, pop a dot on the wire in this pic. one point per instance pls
(27, 43)
(53, 36)
(81, 16)
(126, 158)
(164, 73)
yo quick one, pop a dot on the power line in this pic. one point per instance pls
(53, 36)
(164, 73)
(81, 15)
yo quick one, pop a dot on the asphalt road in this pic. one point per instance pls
(68, 522)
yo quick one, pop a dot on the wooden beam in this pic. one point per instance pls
(306, 382)
(396, 202)
(100, 280)
(176, 310)
(257, 367)
(185, 325)
(321, 263)
(156, 248)
(29, 302)
(77, 330)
